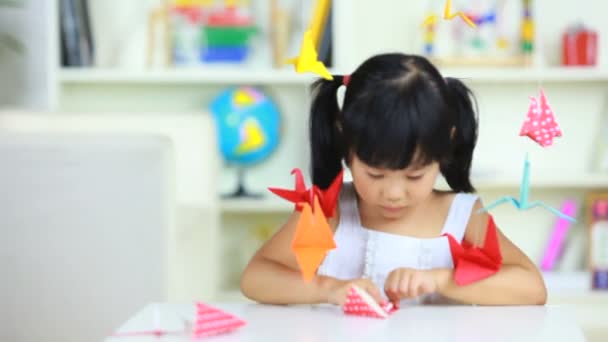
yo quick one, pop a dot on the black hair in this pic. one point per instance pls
(397, 111)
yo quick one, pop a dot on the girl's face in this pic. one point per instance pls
(391, 192)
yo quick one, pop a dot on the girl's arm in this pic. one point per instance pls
(517, 283)
(273, 277)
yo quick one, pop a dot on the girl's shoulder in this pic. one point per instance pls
(446, 197)
(443, 199)
(446, 200)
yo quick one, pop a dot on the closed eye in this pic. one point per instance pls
(375, 175)
(414, 178)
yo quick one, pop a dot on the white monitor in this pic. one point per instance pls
(83, 222)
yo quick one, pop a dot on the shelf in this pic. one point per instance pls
(573, 288)
(564, 282)
(520, 74)
(556, 180)
(267, 204)
(270, 204)
(240, 74)
(232, 296)
(219, 75)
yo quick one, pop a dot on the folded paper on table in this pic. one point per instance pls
(212, 321)
(360, 303)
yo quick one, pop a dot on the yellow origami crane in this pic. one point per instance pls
(312, 240)
(307, 60)
(448, 15)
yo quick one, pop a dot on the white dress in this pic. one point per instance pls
(365, 253)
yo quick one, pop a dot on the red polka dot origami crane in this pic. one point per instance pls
(540, 124)
(360, 303)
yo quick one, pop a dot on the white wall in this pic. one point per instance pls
(25, 80)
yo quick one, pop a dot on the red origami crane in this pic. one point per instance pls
(327, 198)
(313, 237)
(475, 263)
(540, 124)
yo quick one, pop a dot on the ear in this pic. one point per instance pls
(452, 133)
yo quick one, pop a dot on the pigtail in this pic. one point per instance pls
(457, 169)
(325, 153)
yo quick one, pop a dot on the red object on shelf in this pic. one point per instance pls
(195, 15)
(228, 18)
(579, 46)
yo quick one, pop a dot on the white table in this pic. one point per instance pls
(328, 323)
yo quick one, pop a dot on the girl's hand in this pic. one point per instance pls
(338, 290)
(405, 283)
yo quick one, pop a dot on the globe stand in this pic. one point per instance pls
(241, 191)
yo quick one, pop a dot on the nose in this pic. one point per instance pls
(394, 192)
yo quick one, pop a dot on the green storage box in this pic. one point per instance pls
(227, 36)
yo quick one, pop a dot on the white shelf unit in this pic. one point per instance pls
(567, 170)
(221, 75)
(238, 74)
(529, 74)
(273, 204)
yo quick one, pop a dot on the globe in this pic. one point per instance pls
(248, 128)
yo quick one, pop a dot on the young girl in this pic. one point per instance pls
(400, 125)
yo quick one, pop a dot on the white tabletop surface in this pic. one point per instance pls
(328, 323)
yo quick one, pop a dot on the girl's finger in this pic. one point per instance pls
(404, 284)
(391, 286)
(414, 288)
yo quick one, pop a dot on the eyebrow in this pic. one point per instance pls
(416, 168)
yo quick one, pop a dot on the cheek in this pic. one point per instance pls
(365, 187)
(423, 188)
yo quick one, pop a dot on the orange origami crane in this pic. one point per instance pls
(448, 15)
(475, 263)
(307, 60)
(328, 198)
(312, 240)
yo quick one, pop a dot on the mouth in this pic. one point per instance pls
(393, 209)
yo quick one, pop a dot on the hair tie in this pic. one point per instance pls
(346, 80)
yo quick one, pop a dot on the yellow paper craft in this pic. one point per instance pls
(448, 15)
(307, 60)
(312, 240)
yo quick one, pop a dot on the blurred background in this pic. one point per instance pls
(138, 138)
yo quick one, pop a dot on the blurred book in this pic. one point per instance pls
(77, 48)
(288, 21)
(325, 45)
